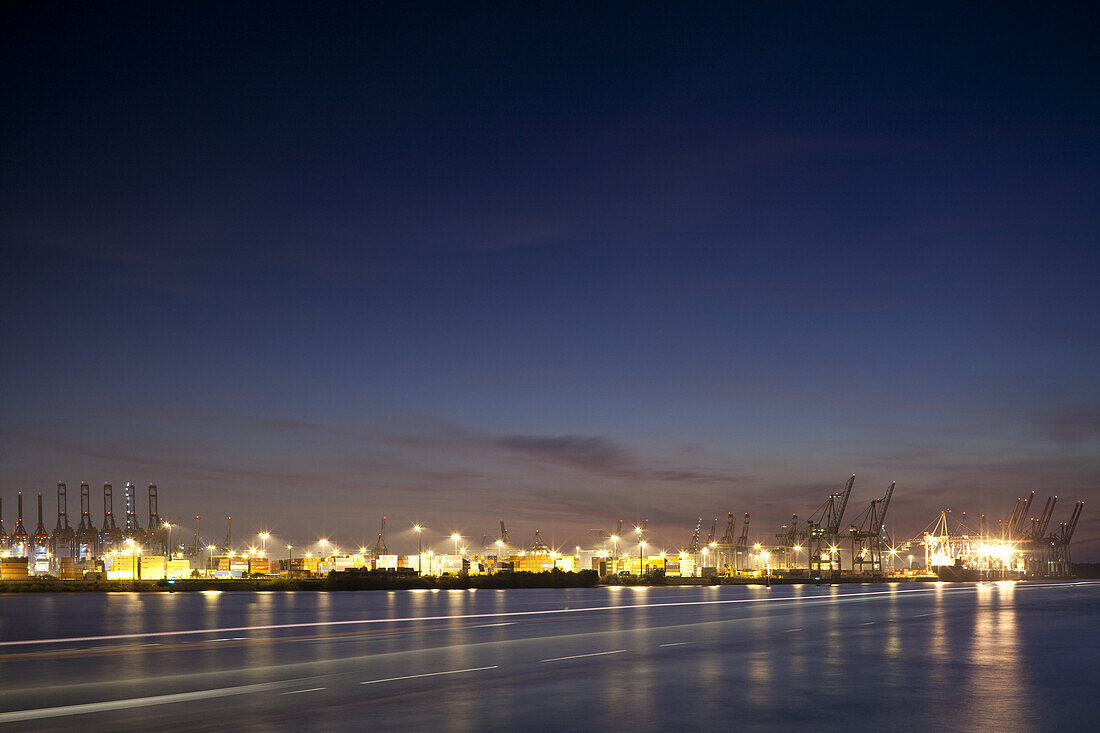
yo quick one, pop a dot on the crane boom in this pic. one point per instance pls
(885, 506)
(1022, 516)
(1071, 526)
(694, 546)
(380, 546)
(1048, 512)
(835, 526)
(1015, 513)
(728, 538)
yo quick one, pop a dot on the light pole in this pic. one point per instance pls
(289, 559)
(615, 540)
(641, 558)
(263, 541)
(797, 549)
(167, 547)
(456, 537)
(419, 548)
(324, 544)
(431, 555)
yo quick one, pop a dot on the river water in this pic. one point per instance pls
(985, 656)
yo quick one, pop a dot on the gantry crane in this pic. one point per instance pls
(693, 546)
(727, 546)
(867, 535)
(823, 530)
(380, 548)
(790, 541)
(1059, 563)
(742, 544)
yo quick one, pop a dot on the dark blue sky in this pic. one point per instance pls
(560, 265)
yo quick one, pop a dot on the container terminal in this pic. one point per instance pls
(1025, 544)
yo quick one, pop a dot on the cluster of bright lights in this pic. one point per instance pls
(1001, 551)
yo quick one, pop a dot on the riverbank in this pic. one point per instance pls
(385, 581)
(333, 582)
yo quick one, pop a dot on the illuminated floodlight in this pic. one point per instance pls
(614, 538)
(797, 548)
(456, 537)
(756, 546)
(500, 543)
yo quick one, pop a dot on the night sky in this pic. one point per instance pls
(462, 262)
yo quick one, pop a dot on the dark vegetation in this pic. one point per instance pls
(334, 581)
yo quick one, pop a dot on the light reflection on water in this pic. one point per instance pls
(954, 655)
(996, 691)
